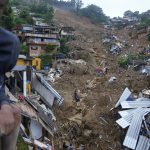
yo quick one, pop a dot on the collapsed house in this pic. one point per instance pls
(35, 97)
(135, 117)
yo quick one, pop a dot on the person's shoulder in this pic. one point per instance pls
(7, 35)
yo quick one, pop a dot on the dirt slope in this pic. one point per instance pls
(93, 122)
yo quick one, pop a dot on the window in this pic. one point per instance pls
(34, 47)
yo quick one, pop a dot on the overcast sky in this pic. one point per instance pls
(115, 8)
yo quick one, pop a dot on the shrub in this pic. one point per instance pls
(49, 48)
(63, 48)
(46, 60)
(24, 49)
(123, 61)
(126, 59)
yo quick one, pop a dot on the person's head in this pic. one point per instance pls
(9, 51)
(2, 4)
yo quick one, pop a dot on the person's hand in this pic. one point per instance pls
(17, 114)
(7, 119)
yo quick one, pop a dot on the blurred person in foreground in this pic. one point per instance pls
(9, 114)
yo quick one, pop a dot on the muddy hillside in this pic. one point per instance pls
(92, 122)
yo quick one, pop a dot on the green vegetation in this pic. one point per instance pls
(41, 9)
(24, 49)
(126, 59)
(145, 21)
(63, 48)
(46, 60)
(49, 15)
(49, 48)
(6, 20)
(129, 13)
(19, 21)
(15, 2)
(123, 61)
(94, 13)
(24, 17)
(21, 145)
(44, 10)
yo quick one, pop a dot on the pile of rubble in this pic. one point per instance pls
(52, 75)
(38, 121)
(113, 44)
(136, 117)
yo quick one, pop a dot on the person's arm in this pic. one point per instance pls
(7, 119)
(9, 51)
(3, 98)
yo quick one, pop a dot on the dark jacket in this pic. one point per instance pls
(9, 51)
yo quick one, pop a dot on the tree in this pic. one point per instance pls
(73, 3)
(15, 2)
(49, 48)
(6, 20)
(136, 13)
(49, 15)
(145, 21)
(25, 17)
(78, 5)
(63, 47)
(24, 14)
(46, 60)
(46, 11)
(24, 49)
(128, 13)
(94, 13)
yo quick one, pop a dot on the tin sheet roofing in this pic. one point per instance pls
(135, 104)
(125, 112)
(143, 143)
(123, 97)
(134, 129)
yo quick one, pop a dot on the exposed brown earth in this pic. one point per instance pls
(93, 122)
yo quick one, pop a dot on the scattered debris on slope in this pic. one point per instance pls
(92, 122)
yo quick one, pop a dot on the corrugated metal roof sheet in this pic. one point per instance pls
(134, 129)
(143, 143)
(125, 112)
(48, 96)
(126, 120)
(123, 97)
(59, 100)
(133, 132)
(135, 104)
(143, 99)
